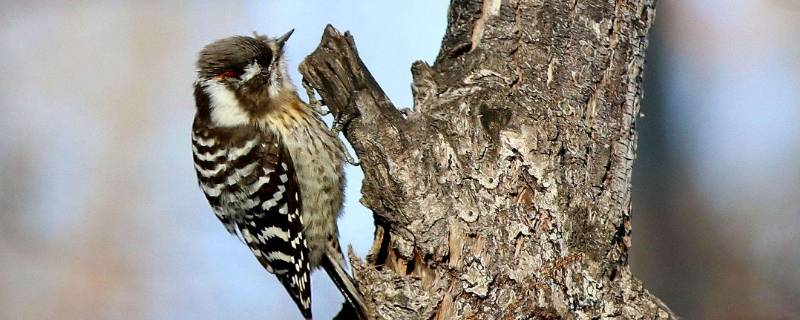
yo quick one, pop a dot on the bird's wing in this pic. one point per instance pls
(249, 180)
(272, 227)
(210, 148)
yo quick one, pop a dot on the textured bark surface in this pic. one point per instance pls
(505, 192)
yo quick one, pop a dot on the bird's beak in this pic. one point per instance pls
(282, 39)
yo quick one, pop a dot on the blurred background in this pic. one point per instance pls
(102, 219)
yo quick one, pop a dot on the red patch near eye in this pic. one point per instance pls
(227, 74)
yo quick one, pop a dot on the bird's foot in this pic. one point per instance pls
(313, 102)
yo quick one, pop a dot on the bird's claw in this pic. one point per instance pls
(336, 128)
(313, 102)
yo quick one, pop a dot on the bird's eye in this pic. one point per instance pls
(230, 73)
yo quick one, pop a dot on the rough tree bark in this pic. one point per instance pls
(505, 192)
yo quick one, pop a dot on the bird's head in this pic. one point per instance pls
(241, 77)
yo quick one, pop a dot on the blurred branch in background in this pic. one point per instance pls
(695, 254)
(678, 250)
(15, 194)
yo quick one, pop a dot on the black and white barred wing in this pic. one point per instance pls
(254, 191)
(273, 229)
(211, 164)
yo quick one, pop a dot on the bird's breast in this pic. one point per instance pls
(318, 159)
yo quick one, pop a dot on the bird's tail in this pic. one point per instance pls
(333, 266)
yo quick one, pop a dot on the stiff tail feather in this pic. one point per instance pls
(332, 265)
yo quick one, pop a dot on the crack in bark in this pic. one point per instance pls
(613, 36)
(490, 8)
(520, 76)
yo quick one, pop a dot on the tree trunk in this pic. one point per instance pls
(505, 192)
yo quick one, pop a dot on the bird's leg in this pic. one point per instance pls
(340, 120)
(313, 102)
(338, 124)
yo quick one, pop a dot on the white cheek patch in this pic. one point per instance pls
(274, 85)
(279, 78)
(250, 71)
(225, 108)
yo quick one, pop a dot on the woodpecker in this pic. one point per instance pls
(269, 167)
